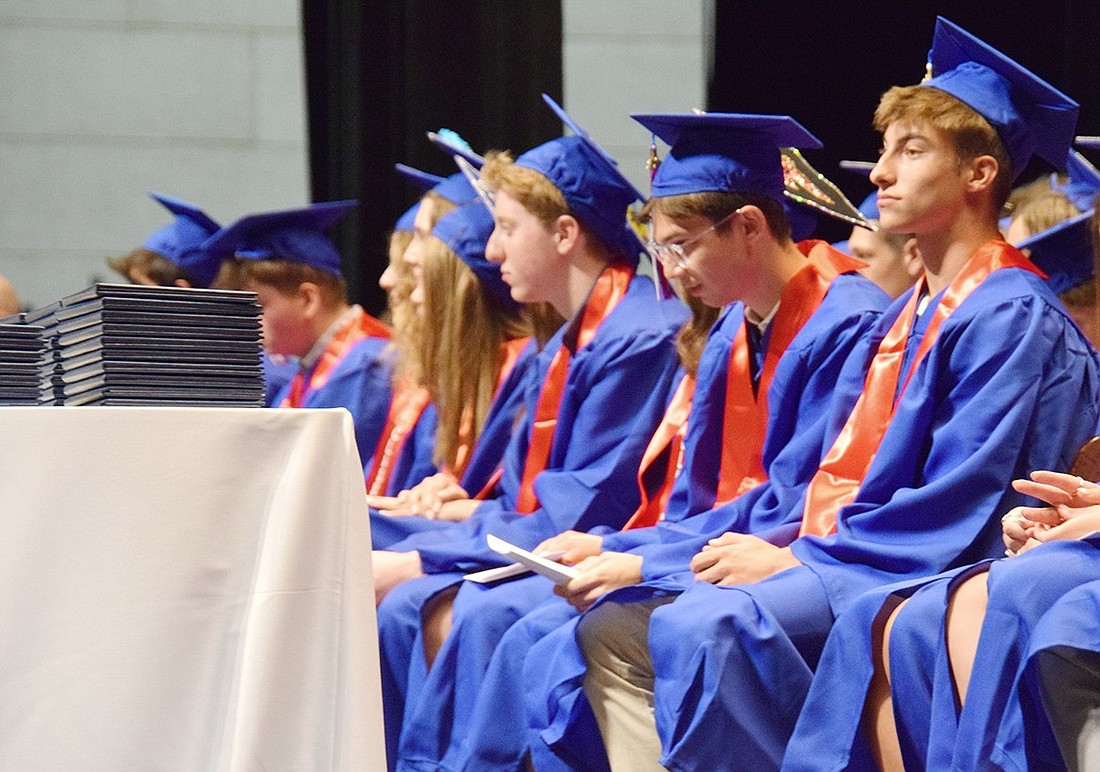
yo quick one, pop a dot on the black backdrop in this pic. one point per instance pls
(380, 73)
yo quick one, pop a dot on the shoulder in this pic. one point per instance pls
(640, 312)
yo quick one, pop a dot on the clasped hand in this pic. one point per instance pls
(1074, 511)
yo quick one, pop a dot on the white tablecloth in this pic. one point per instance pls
(185, 589)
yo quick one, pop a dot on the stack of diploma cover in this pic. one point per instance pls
(122, 344)
(22, 350)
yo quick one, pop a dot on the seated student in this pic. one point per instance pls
(1056, 228)
(294, 269)
(893, 262)
(403, 456)
(1042, 410)
(969, 387)
(471, 364)
(593, 397)
(173, 255)
(757, 394)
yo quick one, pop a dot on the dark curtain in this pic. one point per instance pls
(827, 64)
(380, 74)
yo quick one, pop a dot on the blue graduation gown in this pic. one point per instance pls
(805, 377)
(415, 461)
(1025, 740)
(360, 383)
(613, 399)
(1009, 387)
(277, 375)
(1003, 391)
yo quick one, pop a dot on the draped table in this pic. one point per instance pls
(185, 589)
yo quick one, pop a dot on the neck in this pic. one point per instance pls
(581, 275)
(777, 266)
(946, 252)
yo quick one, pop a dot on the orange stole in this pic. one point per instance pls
(609, 289)
(837, 480)
(745, 420)
(407, 406)
(667, 442)
(357, 326)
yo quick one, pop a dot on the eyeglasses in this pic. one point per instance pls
(675, 255)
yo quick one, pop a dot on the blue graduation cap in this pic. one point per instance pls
(592, 185)
(1082, 184)
(181, 240)
(729, 152)
(297, 235)
(405, 221)
(1063, 251)
(466, 231)
(422, 181)
(1030, 116)
(457, 189)
(575, 127)
(451, 143)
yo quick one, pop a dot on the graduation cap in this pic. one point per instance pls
(451, 143)
(1064, 251)
(405, 221)
(297, 235)
(1082, 184)
(181, 240)
(592, 185)
(466, 231)
(1030, 116)
(421, 180)
(730, 152)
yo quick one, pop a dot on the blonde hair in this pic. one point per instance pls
(1044, 210)
(972, 135)
(404, 320)
(461, 352)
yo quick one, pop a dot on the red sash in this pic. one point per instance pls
(837, 480)
(667, 442)
(609, 289)
(745, 420)
(406, 407)
(358, 325)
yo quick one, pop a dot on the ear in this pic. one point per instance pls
(753, 221)
(983, 173)
(566, 231)
(310, 297)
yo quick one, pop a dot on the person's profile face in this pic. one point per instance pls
(920, 179)
(525, 249)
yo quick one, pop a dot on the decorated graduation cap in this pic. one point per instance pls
(181, 240)
(727, 152)
(1030, 116)
(451, 143)
(595, 190)
(466, 231)
(421, 180)
(297, 235)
